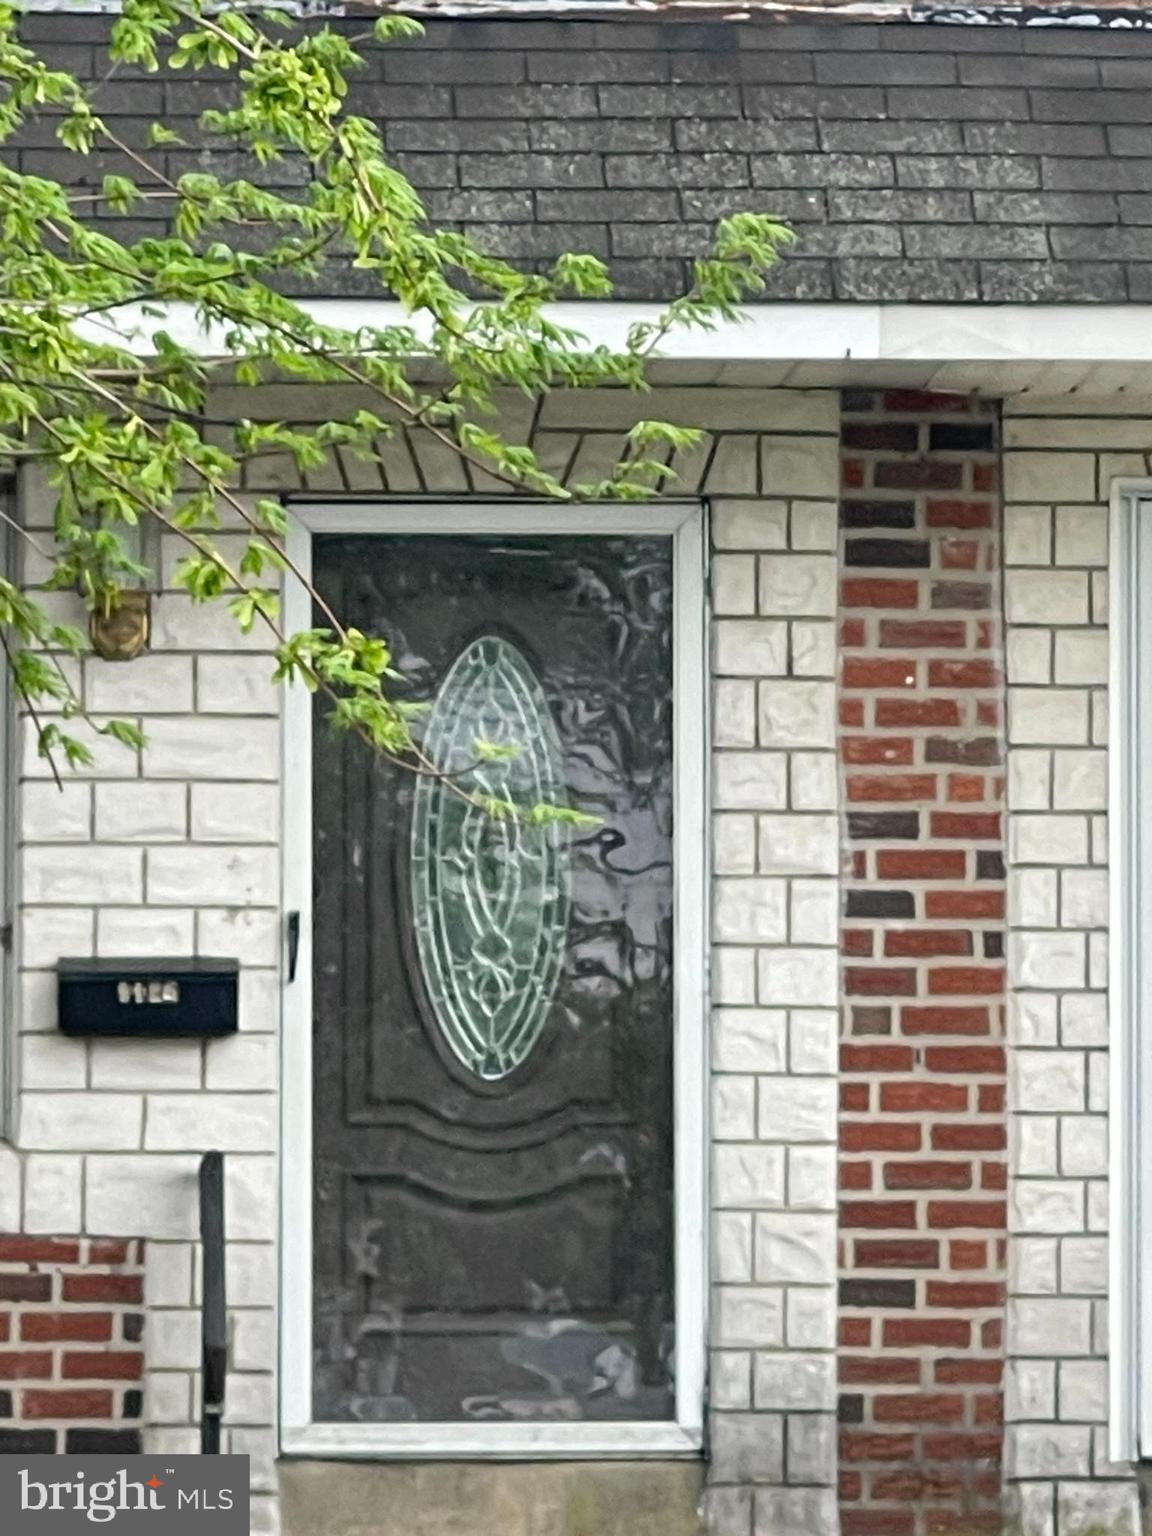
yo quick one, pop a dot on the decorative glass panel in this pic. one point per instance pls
(492, 1124)
(489, 894)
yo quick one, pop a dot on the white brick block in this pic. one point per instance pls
(800, 466)
(221, 747)
(1028, 656)
(1027, 535)
(750, 524)
(1037, 1147)
(250, 1198)
(143, 931)
(795, 713)
(793, 1381)
(80, 1122)
(1046, 597)
(798, 584)
(1049, 716)
(1084, 1146)
(231, 1122)
(813, 1041)
(51, 813)
(733, 584)
(1049, 1206)
(146, 1064)
(797, 977)
(813, 648)
(1030, 1389)
(53, 1061)
(1034, 1263)
(749, 911)
(237, 685)
(141, 812)
(733, 1108)
(93, 874)
(815, 781)
(148, 1195)
(815, 525)
(245, 1061)
(1080, 781)
(750, 647)
(792, 1109)
(259, 1001)
(734, 844)
(1050, 1326)
(1049, 1081)
(1037, 839)
(1048, 1450)
(1083, 899)
(1029, 780)
(168, 1274)
(1084, 1265)
(53, 1185)
(213, 876)
(810, 1317)
(36, 1001)
(730, 1379)
(748, 1177)
(253, 1340)
(152, 684)
(749, 1039)
(1084, 1019)
(1084, 1391)
(1081, 657)
(250, 1398)
(795, 1248)
(1049, 477)
(179, 624)
(1082, 535)
(1049, 959)
(733, 713)
(732, 1246)
(813, 912)
(812, 1178)
(251, 1274)
(1034, 1018)
(11, 1191)
(811, 1440)
(794, 1511)
(799, 845)
(168, 1397)
(733, 975)
(1033, 897)
(235, 813)
(248, 934)
(1111, 1507)
(110, 758)
(174, 1338)
(747, 1448)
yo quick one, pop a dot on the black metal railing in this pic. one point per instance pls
(213, 1309)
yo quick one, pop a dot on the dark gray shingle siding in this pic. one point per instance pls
(917, 163)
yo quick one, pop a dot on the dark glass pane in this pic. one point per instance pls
(493, 1004)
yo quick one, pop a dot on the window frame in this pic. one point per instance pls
(1130, 970)
(300, 1435)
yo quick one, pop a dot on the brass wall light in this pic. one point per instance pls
(120, 629)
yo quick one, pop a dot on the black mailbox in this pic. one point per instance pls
(147, 997)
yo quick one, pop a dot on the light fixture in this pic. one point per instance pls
(121, 629)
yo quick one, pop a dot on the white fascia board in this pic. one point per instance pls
(861, 333)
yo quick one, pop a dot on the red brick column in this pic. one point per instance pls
(923, 1130)
(71, 1358)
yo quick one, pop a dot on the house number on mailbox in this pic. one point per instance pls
(148, 991)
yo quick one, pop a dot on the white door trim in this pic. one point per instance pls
(299, 1435)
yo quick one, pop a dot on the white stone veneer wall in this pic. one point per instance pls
(1059, 461)
(175, 851)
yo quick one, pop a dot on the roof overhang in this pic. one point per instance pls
(997, 350)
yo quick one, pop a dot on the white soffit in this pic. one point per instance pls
(997, 349)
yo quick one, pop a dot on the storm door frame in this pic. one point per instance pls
(683, 1437)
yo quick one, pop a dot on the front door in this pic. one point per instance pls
(493, 1000)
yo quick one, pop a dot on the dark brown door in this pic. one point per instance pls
(493, 1004)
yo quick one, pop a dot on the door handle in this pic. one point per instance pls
(293, 943)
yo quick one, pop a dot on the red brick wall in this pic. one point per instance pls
(71, 1357)
(923, 1131)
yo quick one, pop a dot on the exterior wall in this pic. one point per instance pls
(1058, 465)
(71, 1362)
(174, 851)
(922, 1134)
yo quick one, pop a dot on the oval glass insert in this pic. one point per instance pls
(490, 897)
